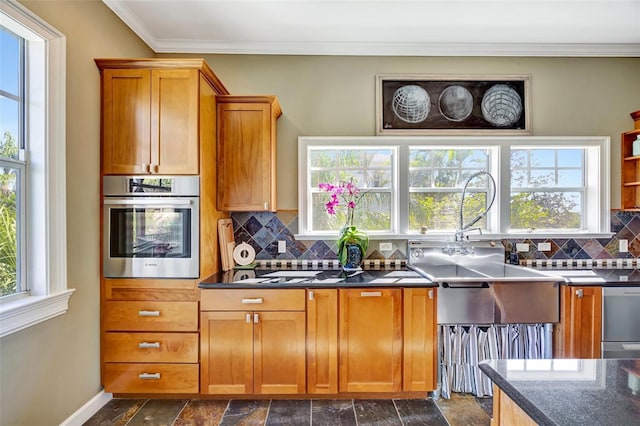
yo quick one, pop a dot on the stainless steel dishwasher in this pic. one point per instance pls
(621, 322)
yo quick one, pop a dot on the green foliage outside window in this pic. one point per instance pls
(8, 219)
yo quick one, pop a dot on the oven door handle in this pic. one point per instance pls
(148, 202)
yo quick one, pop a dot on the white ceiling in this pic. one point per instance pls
(362, 27)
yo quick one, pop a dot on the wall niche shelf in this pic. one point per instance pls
(630, 195)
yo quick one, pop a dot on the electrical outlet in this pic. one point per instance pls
(385, 247)
(282, 246)
(544, 246)
(623, 246)
(521, 247)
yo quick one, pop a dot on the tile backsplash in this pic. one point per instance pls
(263, 230)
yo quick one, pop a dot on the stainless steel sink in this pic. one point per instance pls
(485, 263)
(479, 288)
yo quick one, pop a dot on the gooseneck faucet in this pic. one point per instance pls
(463, 229)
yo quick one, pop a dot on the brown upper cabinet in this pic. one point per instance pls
(247, 152)
(151, 114)
(631, 166)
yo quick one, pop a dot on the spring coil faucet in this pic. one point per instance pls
(459, 236)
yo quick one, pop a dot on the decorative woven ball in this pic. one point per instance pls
(411, 103)
(501, 105)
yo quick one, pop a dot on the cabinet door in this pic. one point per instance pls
(226, 351)
(246, 172)
(126, 97)
(582, 321)
(322, 341)
(174, 121)
(420, 339)
(279, 353)
(370, 340)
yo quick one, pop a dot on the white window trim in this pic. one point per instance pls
(501, 145)
(47, 239)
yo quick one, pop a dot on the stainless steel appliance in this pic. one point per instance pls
(151, 226)
(621, 322)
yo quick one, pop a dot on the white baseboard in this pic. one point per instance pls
(85, 412)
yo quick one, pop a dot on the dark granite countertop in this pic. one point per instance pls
(598, 277)
(298, 277)
(315, 278)
(571, 392)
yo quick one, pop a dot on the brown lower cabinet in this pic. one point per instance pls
(149, 342)
(322, 341)
(506, 412)
(258, 350)
(579, 333)
(369, 340)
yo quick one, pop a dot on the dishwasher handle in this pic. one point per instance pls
(481, 284)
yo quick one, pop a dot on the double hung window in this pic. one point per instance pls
(542, 184)
(33, 279)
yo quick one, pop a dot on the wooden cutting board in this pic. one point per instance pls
(227, 243)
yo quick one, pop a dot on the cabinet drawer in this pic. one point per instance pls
(253, 300)
(151, 316)
(151, 378)
(151, 347)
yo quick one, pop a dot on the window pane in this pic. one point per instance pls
(542, 177)
(542, 157)
(440, 211)
(546, 210)
(570, 158)
(373, 213)
(370, 169)
(9, 127)
(8, 230)
(10, 70)
(571, 178)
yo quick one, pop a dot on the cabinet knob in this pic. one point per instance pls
(579, 293)
(430, 294)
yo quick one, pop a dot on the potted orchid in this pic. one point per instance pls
(352, 243)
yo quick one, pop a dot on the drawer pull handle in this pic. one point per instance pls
(149, 313)
(370, 293)
(149, 376)
(631, 346)
(256, 301)
(430, 293)
(149, 345)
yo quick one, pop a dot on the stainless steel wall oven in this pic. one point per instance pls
(151, 226)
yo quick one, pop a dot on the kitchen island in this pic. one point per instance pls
(565, 391)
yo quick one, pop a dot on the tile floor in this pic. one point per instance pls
(458, 411)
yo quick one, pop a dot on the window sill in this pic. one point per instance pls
(18, 314)
(472, 237)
